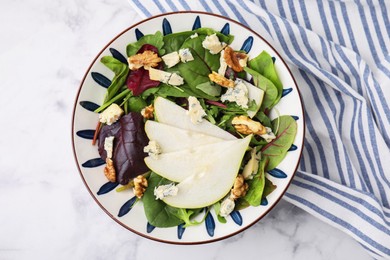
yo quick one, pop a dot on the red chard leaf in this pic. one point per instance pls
(147, 47)
(129, 142)
(138, 80)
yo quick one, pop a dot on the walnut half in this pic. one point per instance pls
(147, 59)
(234, 59)
(140, 185)
(147, 112)
(109, 170)
(245, 125)
(221, 80)
(240, 188)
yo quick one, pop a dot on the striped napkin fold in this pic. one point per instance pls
(338, 51)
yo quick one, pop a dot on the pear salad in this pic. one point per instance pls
(185, 125)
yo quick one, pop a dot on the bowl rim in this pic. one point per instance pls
(241, 229)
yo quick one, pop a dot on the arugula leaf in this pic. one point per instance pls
(157, 212)
(186, 215)
(264, 64)
(152, 39)
(271, 92)
(276, 150)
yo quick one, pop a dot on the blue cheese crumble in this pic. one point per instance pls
(252, 166)
(165, 77)
(153, 149)
(164, 191)
(195, 110)
(238, 94)
(223, 65)
(111, 114)
(171, 59)
(185, 55)
(227, 206)
(212, 43)
(269, 135)
(109, 146)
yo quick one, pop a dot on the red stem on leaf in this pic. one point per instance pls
(95, 136)
(216, 103)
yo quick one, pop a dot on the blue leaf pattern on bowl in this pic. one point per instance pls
(127, 206)
(295, 118)
(277, 173)
(138, 34)
(226, 29)
(197, 23)
(166, 27)
(107, 187)
(149, 228)
(236, 216)
(117, 55)
(180, 230)
(95, 162)
(264, 202)
(247, 45)
(210, 224)
(293, 148)
(286, 91)
(86, 134)
(88, 105)
(100, 79)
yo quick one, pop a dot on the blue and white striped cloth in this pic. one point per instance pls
(338, 51)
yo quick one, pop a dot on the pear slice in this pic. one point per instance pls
(177, 166)
(213, 181)
(172, 139)
(169, 113)
(256, 94)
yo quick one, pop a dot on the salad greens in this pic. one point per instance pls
(134, 90)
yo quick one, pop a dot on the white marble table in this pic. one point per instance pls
(46, 212)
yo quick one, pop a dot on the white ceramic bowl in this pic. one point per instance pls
(91, 94)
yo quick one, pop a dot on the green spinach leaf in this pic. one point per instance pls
(196, 72)
(271, 92)
(166, 90)
(157, 40)
(157, 212)
(210, 88)
(136, 104)
(120, 69)
(174, 41)
(228, 39)
(256, 186)
(264, 64)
